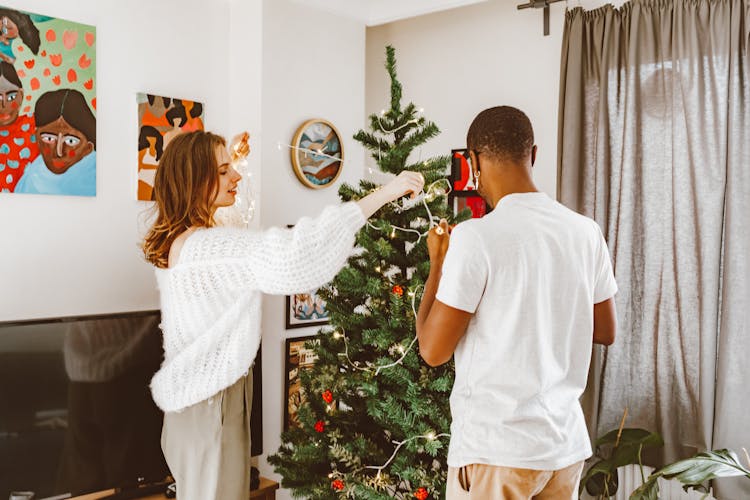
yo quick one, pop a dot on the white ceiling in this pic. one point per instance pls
(375, 12)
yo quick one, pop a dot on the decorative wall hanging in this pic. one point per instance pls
(305, 309)
(160, 119)
(297, 358)
(48, 105)
(317, 153)
(463, 194)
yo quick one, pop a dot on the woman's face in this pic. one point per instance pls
(62, 146)
(8, 29)
(11, 97)
(228, 179)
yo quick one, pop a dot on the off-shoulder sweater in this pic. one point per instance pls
(211, 298)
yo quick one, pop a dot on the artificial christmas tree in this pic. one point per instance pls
(375, 420)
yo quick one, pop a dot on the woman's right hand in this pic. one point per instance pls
(405, 183)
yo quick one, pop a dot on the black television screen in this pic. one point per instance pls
(76, 413)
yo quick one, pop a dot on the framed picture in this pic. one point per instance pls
(317, 153)
(464, 194)
(161, 119)
(305, 309)
(298, 358)
(472, 201)
(48, 122)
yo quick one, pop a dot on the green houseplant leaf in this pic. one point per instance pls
(693, 472)
(616, 448)
(599, 479)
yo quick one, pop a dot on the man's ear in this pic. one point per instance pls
(533, 154)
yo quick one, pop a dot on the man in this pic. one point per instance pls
(520, 296)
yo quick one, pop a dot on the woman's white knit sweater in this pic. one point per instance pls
(211, 298)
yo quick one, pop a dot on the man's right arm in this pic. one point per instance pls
(605, 322)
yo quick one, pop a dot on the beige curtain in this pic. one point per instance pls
(654, 143)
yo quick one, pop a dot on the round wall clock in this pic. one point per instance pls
(317, 153)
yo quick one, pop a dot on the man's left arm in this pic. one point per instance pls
(439, 326)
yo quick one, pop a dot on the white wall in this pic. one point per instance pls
(313, 67)
(68, 255)
(458, 62)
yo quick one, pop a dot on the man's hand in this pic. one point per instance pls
(439, 326)
(438, 240)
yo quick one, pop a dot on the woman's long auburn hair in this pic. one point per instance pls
(185, 188)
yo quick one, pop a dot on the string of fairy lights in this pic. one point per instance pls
(430, 436)
(398, 347)
(424, 197)
(308, 151)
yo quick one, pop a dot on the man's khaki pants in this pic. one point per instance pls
(489, 482)
(207, 445)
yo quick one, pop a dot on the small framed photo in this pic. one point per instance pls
(305, 309)
(474, 202)
(317, 153)
(464, 194)
(298, 358)
(460, 170)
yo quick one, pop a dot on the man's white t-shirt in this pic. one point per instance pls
(531, 272)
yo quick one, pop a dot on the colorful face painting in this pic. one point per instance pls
(160, 119)
(47, 105)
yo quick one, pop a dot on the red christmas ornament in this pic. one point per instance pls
(327, 397)
(337, 485)
(398, 290)
(421, 494)
(320, 426)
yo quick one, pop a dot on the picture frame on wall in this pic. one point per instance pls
(463, 193)
(317, 153)
(463, 200)
(298, 357)
(49, 68)
(306, 309)
(161, 119)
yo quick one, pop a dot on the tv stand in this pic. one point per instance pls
(266, 491)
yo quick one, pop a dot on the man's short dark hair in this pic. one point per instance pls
(503, 132)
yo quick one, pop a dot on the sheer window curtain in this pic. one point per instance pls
(654, 143)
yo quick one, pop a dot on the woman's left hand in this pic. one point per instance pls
(239, 147)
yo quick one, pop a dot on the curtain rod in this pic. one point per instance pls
(540, 4)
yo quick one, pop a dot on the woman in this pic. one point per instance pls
(18, 145)
(66, 129)
(210, 281)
